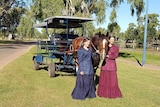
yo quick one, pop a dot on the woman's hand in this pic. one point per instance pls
(82, 72)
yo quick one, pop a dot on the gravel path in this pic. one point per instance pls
(9, 52)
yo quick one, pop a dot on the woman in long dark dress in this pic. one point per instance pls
(85, 87)
(108, 82)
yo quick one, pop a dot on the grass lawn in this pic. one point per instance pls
(152, 56)
(21, 86)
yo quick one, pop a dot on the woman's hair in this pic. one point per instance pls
(111, 37)
(84, 40)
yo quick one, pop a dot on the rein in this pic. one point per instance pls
(94, 46)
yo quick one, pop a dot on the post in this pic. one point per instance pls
(145, 36)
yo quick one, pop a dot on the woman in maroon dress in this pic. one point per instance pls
(108, 82)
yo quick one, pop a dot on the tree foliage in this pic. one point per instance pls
(137, 32)
(10, 14)
(85, 8)
(43, 9)
(25, 28)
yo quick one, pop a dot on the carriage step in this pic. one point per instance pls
(61, 67)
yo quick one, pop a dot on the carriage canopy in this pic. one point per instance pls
(63, 22)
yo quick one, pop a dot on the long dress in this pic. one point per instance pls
(84, 87)
(108, 81)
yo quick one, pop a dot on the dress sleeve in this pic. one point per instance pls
(93, 53)
(113, 53)
(80, 60)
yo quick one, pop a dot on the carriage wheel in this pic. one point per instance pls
(51, 70)
(35, 65)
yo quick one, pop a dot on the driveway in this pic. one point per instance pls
(9, 52)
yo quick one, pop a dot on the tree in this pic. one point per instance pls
(40, 9)
(25, 28)
(10, 13)
(87, 8)
(136, 6)
(151, 28)
(130, 33)
(158, 32)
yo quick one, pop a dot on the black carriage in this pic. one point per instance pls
(58, 55)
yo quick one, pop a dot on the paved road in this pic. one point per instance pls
(10, 52)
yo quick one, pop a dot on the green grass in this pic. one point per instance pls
(152, 56)
(21, 86)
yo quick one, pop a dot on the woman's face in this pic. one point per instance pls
(111, 40)
(87, 43)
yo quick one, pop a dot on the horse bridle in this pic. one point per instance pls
(103, 43)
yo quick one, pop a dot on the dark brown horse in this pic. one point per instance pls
(98, 42)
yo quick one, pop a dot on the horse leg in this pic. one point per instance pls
(95, 73)
(96, 78)
(76, 65)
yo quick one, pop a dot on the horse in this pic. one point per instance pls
(98, 42)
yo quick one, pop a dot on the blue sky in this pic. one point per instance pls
(124, 15)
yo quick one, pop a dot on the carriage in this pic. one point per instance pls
(58, 48)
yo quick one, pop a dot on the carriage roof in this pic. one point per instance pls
(63, 22)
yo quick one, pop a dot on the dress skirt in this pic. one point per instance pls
(84, 88)
(108, 85)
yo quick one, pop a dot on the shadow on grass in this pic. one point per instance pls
(138, 61)
(17, 42)
(8, 47)
(10, 41)
(127, 55)
(41, 53)
(44, 68)
(59, 73)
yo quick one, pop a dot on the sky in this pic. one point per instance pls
(124, 15)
